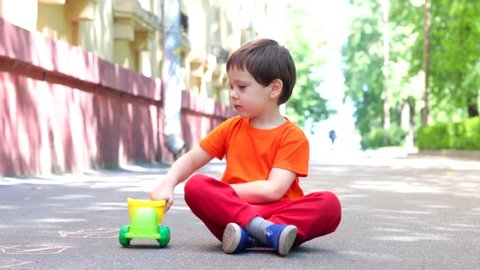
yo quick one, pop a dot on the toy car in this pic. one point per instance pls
(145, 219)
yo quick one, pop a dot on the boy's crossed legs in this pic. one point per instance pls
(240, 225)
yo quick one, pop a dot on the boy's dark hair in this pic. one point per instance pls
(266, 60)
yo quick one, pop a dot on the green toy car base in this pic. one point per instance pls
(145, 217)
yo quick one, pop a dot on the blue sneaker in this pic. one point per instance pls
(236, 239)
(281, 237)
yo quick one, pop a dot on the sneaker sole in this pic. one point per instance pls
(231, 238)
(287, 238)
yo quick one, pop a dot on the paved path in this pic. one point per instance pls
(415, 212)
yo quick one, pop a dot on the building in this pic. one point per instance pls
(83, 82)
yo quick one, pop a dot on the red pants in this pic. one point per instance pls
(217, 204)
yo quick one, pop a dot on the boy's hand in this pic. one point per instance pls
(180, 170)
(163, 192)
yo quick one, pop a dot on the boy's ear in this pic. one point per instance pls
(276, 87)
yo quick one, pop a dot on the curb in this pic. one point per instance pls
(459, 154)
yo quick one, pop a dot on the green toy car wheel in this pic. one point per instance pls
(124, 241)
(164, 232)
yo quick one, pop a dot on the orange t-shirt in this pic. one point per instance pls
(251, 153)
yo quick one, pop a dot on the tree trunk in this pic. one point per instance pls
(386, 65)
(426, 61)
(472, 106)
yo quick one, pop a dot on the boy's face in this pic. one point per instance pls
(249, 98)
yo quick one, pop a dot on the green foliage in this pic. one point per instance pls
(456, 33)
(379, 137)
(454, 51)
(464, 135)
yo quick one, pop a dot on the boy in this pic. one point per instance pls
(258, 200)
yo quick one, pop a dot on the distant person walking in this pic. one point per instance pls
(333, 136)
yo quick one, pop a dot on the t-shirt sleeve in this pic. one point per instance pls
(215, 141)
(293, 153)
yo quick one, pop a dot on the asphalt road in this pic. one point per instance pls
(415, 212)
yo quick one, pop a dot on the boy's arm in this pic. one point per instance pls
(179, 172)
(261, 191)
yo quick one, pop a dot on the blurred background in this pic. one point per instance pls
(100, 83)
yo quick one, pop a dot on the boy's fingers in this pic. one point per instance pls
(169, 204)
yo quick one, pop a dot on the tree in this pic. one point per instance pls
(455, 71)
(453, 75)
(432, 59)
(426, 61)
(305, 103)
(376, 70)
(364, 59)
